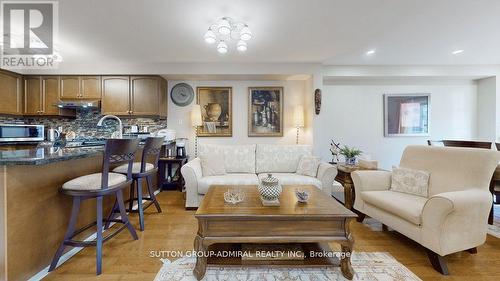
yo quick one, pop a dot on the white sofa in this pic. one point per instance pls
(453, 217)
(247, 164)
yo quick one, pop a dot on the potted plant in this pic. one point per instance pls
(350, 154)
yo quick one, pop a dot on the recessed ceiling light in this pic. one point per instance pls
(456, 52)
(370, 52)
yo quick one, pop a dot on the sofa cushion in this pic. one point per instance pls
(228, 179)
(212, 163)
(308, 166)
(237, 158)
(240, 158)
(410, 181)
(294, 179)
(406, 206)
(271, 158)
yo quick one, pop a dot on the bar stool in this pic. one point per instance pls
(141, 170)
(97, 186)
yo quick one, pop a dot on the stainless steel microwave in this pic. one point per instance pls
(21, 133)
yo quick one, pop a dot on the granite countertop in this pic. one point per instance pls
(47, 155)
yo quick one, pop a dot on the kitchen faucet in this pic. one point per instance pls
(120, 125)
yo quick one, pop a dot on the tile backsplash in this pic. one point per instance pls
(85, 123)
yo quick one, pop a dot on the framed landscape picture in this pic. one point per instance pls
(406, 115)
(265, 111)
(216, 111)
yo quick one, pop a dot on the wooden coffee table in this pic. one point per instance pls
(312, 226)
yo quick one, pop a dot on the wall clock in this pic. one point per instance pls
(182, 94)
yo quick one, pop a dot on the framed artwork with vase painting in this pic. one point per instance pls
(265, 111)
(216, 111)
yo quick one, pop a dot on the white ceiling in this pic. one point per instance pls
(404, 32)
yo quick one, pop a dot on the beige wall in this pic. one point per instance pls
(295, 92)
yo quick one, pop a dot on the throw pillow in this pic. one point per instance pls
(410, 181)
(308, 166)
(212, 163)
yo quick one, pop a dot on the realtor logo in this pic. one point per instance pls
(29, 33)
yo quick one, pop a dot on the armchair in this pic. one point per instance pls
(453, 217)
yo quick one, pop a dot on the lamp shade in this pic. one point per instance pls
(298, 116)
(196, 116)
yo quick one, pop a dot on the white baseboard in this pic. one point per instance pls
(44, 272)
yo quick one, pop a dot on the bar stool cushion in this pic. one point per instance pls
(93, 181)
(136, 168)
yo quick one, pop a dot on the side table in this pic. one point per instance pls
(344, 178)
(169, 179)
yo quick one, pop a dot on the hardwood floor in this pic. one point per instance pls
(175, 228)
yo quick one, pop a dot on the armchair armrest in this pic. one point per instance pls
(191, 172)
(455, 221)
(326, 174)
(369, 180)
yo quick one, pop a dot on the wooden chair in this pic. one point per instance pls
(460, 143)
(96, 186)
(142, 170)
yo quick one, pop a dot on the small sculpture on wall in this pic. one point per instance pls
(317, 100)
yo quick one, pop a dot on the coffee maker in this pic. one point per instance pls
(181, 147)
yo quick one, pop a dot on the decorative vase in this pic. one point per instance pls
(350, 161)
(270, 189)
(214, 111)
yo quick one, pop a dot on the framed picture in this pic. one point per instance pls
(265, 111)
(406, 115)
(216, 111)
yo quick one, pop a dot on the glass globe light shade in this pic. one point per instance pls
(241, 46)
(245, 33)
(224, 27)
(222, 47)
(209, 36)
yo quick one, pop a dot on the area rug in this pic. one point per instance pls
(494, 230)
(374, 266)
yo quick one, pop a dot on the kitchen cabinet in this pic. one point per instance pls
(32, 95)
(80, 87)
(41, 94)
(115, 95)
(134, 96)
(11, 93)
(163, 98)
(144, 95)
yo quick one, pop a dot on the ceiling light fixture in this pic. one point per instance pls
(456, 52)
(370, 52)
(227, 30)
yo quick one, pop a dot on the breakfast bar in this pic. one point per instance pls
(33, 214)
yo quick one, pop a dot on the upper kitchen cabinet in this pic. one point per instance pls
(41, 94)
(115, 95)
(145, 95)
(11, 93)
(80, 87)
(134, 96)
(163, 98)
